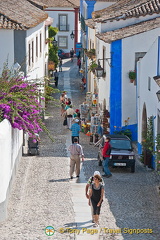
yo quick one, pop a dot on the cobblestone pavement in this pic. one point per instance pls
(41, 191)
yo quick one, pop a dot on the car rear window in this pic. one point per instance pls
(121, 144)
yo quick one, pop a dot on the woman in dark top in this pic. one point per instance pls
(96, 193)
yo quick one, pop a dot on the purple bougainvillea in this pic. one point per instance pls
(20, 103)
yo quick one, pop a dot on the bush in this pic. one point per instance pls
(20, 103)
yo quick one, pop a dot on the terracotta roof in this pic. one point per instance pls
(20, 14)
(61, 3)
(90, 23)
(129, 31)
(126, 9)
(38, 3)
(105, 0)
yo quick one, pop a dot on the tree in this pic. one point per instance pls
(53, 50)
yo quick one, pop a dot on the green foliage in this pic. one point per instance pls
(132, 75)
(93, 65)
(157, 152)
(53, 54)
(90, 53)
(148, 140)
(52, 31)
(126, 132)
(53, 50)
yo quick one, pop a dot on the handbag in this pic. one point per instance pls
(65, 122)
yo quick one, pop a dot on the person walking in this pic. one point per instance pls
(79, 64)
(96, 193)
(88, 185)
(62, 101)
(72, 54)
(60, 65)
(75, 128)
(56, 75)
(69, 112)
(76, 152)
(106, 155)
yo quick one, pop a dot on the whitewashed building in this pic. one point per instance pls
(66, 18)
(125, 34)
(23, 30)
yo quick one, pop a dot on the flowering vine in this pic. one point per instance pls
(20, 103)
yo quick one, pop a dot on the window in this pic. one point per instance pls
(104, 60)
(32, 51)
(29, 54)
(62, 42)
(40, 43)
(149, 84)
(36, 46)
(63, 23)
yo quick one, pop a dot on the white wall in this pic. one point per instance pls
(104, 83)
(109, 26)
(6, 47)
(10, 152)
(37, 70)
(102, 5)
(129, 47)
(147, 67)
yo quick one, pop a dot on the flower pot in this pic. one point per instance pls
(132, 80)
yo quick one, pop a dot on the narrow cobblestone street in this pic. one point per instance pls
(43, 195)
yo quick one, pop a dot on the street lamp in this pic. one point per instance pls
(72, 35)
(99, 70)
(158, 95)
(54, 42)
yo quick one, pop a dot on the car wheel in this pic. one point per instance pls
(133, 169)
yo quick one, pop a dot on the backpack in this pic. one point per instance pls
(108, 152)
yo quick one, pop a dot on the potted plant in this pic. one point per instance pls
(91, 53)
(93, 65)
(132, 76)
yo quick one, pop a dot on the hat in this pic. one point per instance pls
(97, 173)
(76, 120)
(77, 110)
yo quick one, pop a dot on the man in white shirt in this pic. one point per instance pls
(76, 152)
(69, 113)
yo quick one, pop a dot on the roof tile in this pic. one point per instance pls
(129, 31)
(20, 14)
(127, 8)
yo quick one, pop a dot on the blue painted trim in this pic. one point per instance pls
(158, 61)
(90, 8)
(116, 86)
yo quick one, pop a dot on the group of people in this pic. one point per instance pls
(94, 189)
(95, 186)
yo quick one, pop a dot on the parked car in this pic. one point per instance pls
(121, 152)
(62, 54)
